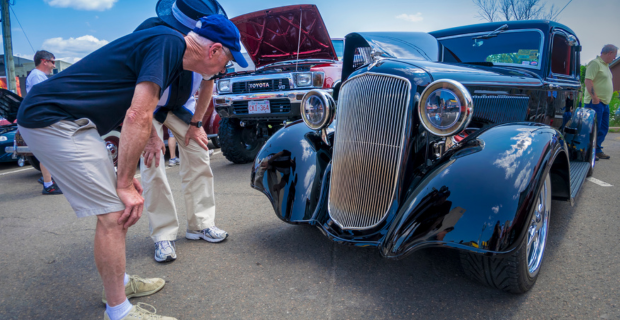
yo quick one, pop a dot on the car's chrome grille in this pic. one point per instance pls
(500, 109)
(261, 86)
(371, 117)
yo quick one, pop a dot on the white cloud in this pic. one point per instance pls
(73, 49)
(99, 5)
(411, 17)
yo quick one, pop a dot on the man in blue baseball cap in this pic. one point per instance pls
(63, 118)
(182, 114)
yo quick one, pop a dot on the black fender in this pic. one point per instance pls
(290, 169)
(481, 196)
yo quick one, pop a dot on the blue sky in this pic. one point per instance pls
(73, 28)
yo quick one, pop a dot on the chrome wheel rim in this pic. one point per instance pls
(538, 228)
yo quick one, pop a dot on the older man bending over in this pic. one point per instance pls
(121, 82)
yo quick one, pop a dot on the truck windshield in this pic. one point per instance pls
(515, 48)
(339, 47)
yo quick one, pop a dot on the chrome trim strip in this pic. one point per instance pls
(291, 95)
(363, 161)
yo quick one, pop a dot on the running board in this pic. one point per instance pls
(578, 173)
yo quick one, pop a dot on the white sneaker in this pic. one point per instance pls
(213, 234)
(210, 153)
(164, 251)
(173, 162)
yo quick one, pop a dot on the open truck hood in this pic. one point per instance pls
(273, 35)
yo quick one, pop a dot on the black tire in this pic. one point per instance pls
(239, 144)
(34, 162)
(216, 142)
(591, 156)
(511, 272)
(112, 142)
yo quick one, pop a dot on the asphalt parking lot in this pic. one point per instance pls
(271, 270)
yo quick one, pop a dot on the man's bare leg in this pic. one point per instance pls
(47, 176)
(110, 256)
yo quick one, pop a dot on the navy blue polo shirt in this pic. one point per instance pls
(100, 87)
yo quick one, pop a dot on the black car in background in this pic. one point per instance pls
(441, 139)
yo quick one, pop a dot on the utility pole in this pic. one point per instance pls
(9, 64)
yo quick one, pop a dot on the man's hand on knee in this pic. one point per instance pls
(152, 151)
(134, 204)
(198, 135)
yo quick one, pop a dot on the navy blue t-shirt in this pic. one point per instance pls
(100, 87)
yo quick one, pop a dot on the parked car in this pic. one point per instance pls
(7, 135)
(254, 105)
(440, 139)
(18, 149)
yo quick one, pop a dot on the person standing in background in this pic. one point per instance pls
(44, 62)
(599, 90)
(172, 146)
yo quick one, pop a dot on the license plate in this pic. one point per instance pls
(255, 107)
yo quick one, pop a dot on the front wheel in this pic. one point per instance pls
(34, 162)
(516, 272)
(216, 142)
(112, 143)
(239, 144)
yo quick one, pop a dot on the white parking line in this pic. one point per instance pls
(20, 170)
(599, 182)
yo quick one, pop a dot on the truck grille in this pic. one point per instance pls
(372, 116)
(500, 109)
(261, 86)
(277, 106)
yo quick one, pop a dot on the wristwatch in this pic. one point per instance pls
(196, 124)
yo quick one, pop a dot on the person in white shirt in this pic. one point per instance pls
(44, 62)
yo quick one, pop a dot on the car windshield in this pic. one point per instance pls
(339, 47)
(514, 48)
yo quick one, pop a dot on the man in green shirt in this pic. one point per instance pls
(599, 89)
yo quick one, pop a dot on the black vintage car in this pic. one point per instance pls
(443, 139)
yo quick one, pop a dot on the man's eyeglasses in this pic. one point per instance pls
(52, 61)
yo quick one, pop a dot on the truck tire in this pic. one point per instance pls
(239, 144)
(216, 142)
(516, 272)
(34, 162)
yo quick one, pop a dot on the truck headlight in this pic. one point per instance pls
(445, 108)
(223, 86)
(303, 79)
(317, 109)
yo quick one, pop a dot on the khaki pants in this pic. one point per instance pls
(197, 186)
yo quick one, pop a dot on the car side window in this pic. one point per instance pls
(561, 56)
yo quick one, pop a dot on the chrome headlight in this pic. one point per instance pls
(317, 109)
(3, 138)
(445, 108)
(303, 79)
(223, 86)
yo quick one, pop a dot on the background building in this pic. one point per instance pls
(615, 72)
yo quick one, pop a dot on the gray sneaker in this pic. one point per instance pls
(213, 234)
(164, 251)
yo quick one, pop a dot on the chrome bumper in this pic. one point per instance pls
(25, 149)
(17, 151)
(225, 100)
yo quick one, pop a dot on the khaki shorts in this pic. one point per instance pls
(77, 158)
